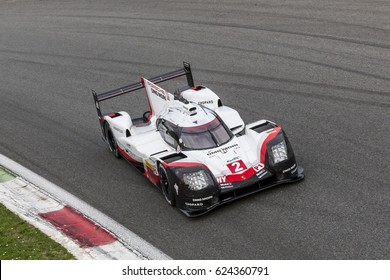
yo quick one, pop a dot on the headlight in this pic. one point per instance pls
(196, 180)
(279, 152)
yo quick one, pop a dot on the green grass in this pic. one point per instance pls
(21, 241)
(5, 175)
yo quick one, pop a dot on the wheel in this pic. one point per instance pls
(166, 186)
(111, 140)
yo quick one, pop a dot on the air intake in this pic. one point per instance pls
(191, 110)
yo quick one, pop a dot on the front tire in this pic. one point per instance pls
(166, 186)
(111, 140)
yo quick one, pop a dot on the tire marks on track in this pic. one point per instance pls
(243, 50)
(248, 27)
(328, 98)
(220, 72)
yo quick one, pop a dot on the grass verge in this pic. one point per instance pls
(21, 241)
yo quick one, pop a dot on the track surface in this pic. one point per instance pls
(318, 68)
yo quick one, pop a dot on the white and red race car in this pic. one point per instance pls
(196, 150)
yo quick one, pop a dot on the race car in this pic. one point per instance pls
(197, 150)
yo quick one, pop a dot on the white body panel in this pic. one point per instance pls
(202, 96)
(158, 97)
(231, 118)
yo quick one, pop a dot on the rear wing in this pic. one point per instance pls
(186, 70)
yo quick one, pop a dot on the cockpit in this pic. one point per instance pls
(198, 137)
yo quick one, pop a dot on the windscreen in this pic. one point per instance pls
(207, 136)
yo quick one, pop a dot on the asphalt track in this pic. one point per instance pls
(318, 68)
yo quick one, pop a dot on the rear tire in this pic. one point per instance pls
(166, 186)
(111, 140)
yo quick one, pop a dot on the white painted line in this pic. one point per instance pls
(111, 251)
(128, 238)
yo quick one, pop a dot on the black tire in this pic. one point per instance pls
(166, 186)
(111, 140)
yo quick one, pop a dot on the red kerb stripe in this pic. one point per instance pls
(78, 227)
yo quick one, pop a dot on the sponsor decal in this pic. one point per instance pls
(158, 91)
(233, 159)
(205, 102)
(222, 150)
(292, 169)
(261, 173)
(258, 167)
(226, 186)
(152, 166)
(194, 204)
(202, 199)
(159, 94)
(221, 179)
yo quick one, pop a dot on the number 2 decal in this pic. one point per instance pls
(237, 166)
